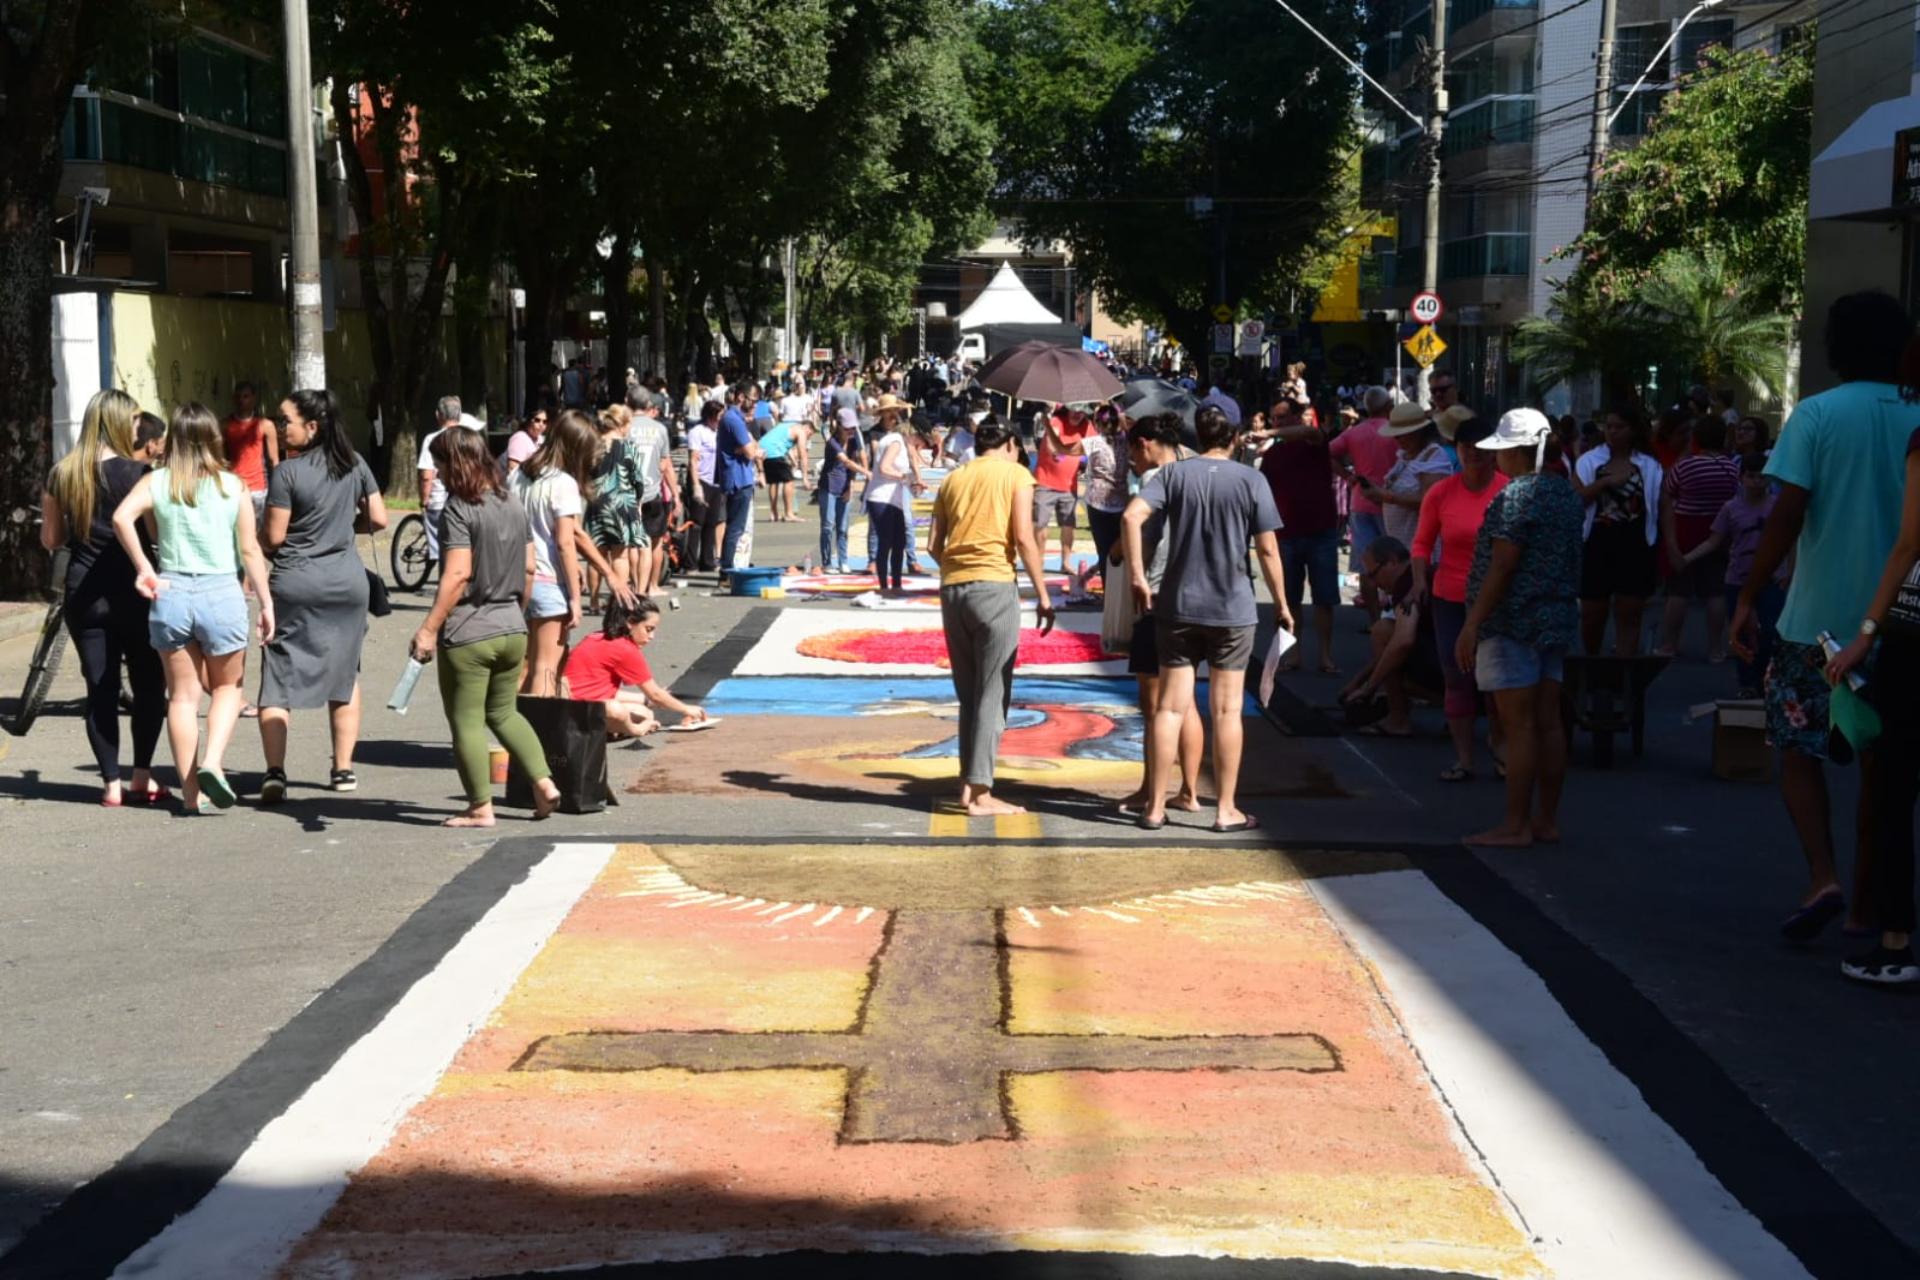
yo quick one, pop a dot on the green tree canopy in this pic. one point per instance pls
(1723, 170)
(1113, 113)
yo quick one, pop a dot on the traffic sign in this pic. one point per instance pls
(1426, 307)
(1425, 346)
(1223, 339)
(1223, 314)
(1251, 332)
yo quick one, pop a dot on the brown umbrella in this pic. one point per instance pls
(1057, 375)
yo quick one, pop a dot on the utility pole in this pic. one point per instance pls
(1436, 132)
(309, 364)
(1602, 95)
(787, 338)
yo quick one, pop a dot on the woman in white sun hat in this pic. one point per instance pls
(1523, 615)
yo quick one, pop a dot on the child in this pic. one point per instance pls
(600, 665)
(1737, 527)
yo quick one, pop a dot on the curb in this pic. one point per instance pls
(21, 620)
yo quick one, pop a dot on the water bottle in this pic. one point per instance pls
(1831, 647)
(403, 691)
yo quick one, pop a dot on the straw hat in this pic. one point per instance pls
(1450, 420)
(891, 403)
(1407, 417)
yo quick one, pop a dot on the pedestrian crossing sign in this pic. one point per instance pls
(1425, 346)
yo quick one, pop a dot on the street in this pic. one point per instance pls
(170, 986)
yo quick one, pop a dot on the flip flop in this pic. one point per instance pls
(1378, 731)
(215, 787)
(1150, 824)
(1456, 773)
(1246, 823)
(1805, 924)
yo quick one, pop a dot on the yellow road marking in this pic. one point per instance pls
(947, 820)
(1017, 826)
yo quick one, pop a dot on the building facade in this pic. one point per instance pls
(1514, 163)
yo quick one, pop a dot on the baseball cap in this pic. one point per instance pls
(1518, 429)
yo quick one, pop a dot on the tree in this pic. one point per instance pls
(1724, 169)
(45, 47)
(1714, 328)
(1114, 114)
(1588, 333)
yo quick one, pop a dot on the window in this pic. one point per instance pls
(1633, 52)
(1697, 36)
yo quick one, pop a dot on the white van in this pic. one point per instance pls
(973, 346)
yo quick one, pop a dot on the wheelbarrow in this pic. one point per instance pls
(1606, 695)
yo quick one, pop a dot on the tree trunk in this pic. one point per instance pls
(37, 90)
(26, 366)
(617, 291)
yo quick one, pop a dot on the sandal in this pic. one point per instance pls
(1380, 731)
(152, 797)
(1150, 824)
(1805, 924)
(1456, 773)
(1247, 823)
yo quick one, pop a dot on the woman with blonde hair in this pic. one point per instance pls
(105, 615)
(202, 520)
(613, 513)
(553, 487)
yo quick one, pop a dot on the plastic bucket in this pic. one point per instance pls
(750, 582)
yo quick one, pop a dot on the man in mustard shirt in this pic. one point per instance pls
(982, 516)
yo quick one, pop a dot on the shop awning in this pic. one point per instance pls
(1854, 176)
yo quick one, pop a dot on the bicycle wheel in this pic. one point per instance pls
(408, 553)
(46, 661)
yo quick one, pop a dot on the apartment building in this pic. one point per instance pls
(1520, 82)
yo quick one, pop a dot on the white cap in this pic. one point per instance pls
(1519, 428)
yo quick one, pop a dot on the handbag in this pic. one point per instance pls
(379, 603)
(1116, 612)
(574, 736)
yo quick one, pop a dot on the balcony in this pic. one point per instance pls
(1491, 122)
(1497, 253)
(1465, 11)
(110, 131)
(1640, 109)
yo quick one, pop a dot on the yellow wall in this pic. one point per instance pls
(1340, 300)
(168, 350)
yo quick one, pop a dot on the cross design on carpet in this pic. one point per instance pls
(930, 1051)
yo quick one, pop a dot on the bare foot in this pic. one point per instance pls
(471, 818)
(1185, 802)
(1328, 667)
(986, 805)
(1132, 804)
(1546, 832)
(1500, 838)
(545, 800)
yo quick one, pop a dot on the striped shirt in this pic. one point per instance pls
(1703, 483)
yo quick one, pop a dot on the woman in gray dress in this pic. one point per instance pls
(315, 504)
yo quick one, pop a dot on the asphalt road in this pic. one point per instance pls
(142, 957)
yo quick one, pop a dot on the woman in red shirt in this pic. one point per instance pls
(600, 667)
(1450, 517)
(252, 443)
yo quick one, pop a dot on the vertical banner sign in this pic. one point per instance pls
(1906, 168)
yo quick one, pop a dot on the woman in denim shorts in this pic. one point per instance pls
(204, 533)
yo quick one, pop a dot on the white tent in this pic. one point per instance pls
(1005, 301)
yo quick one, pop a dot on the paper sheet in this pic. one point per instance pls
(1270, 670)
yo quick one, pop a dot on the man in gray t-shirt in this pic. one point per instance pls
(647, 437)
(1204, 610)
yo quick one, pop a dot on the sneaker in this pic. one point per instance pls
(1882, 965)
(273, 788)
(343, 780)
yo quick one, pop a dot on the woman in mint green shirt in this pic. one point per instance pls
(202, 522)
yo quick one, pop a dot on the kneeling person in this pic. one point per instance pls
(599, 668)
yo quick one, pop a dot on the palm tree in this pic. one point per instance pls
(1713, 325)
(1586, 332)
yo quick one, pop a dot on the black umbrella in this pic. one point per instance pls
(1147, 396)
(1057, 375)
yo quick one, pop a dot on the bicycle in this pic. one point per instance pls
(47, 651)
(407, 553)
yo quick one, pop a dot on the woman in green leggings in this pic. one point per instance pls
(478, 624)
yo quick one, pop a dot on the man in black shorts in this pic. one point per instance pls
(1204, 610)
(1151, 444)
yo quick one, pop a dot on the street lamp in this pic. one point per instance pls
(1654, 61)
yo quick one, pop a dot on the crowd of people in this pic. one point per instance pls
(1483, 550)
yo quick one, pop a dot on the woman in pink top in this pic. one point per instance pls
(1450, 518)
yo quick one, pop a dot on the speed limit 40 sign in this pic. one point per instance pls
(1425, 307)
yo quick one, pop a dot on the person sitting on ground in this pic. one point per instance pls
(1404, 656)
(602, 666)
